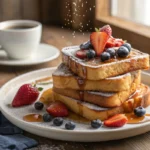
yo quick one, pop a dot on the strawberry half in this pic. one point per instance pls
(99, 40)
(27, 94)
(57, 109)
(112, 42)
(106, 29)
(116, 121)
(81, 54)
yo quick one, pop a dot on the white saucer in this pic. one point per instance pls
(44, 54)
(82, 132)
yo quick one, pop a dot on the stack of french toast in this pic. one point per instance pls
(101, 77)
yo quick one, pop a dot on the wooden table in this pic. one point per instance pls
(60, 37)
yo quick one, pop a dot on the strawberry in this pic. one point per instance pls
(27, 94)
(98, 40)
(106, 29)
(112, 42)
(57, 109)
(81, 54)
(116, 121)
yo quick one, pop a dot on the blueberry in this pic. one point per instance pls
(47, 117)
(58, 121)
(111, 51)
(123, 52)
(38, 105)
(90, 54)
(70, 125)
(86, 45)
(105, 56)
(128, 46)
(139, 111)
(96, 123)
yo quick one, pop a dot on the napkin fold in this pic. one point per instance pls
(11, 137)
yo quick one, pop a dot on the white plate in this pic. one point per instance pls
(44, 54)
(82, 132)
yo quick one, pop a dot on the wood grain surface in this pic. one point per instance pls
(63, 37)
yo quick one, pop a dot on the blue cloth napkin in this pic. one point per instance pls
(11, 137)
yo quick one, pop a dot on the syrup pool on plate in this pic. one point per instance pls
(133, 119)
(33, 118)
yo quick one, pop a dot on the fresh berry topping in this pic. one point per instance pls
(70, 125)
(139, 111)
(27, 94)
(47, 117)
(105, 56)
(57, 109)
(118, 42)
(123, 52)
(38, 105)
(116, 121)
(111, 51)
(58, 121)
(106, 29)
(90, 54)
(81, 54)
(127, 45)
(98, 40)
(86, 45)
(96, 123)
(112, 42)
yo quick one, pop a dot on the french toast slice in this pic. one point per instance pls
(64, 78)
(103, 99)
(95, 69)
(91, 111)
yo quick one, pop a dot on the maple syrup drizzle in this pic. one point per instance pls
(69, 62)
(33, 118)
(81, 95)
(133, 119)
(81, 82)
(76, 66)
(84, 71)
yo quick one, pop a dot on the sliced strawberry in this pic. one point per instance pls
(27, 94)
(81, 54)
(112, 42)
(57, 109)
(98, 40)
(106, 29)
(118, 42)
(116, 121)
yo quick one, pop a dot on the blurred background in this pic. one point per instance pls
(70, 22)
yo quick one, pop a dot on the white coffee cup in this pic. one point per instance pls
(20, 38)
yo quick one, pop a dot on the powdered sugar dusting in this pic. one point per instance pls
(63, 70)
(70, 51)
(105, 94)
(91, 106)
(119, 77)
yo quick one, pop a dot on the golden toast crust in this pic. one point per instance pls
(103, 99)
(65, 79)
(92, 112)
(96, 70)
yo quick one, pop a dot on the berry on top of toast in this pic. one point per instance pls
(106, 29)
(101, 41)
